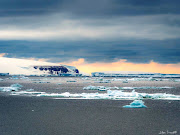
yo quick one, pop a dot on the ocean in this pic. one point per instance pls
(50, 113)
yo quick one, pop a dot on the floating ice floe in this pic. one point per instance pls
(71, 81)
(86, 78)
(136, 104)
(13, 87)
(110, 94)
(86, 82)
(59, 83)
(175, 80)
(16, 85)
(30, 90)
(103, 88)
(24, 78)
(125, 81)
(139, 79)
(100, 88)
(114, 95)
(1, 79)
(8, 89)
(27, 93)
(103, 81)
(35, 79)
(145, 87)
(41, 82)
(48, 79)
(17, 77)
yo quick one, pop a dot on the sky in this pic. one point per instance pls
(111, 35)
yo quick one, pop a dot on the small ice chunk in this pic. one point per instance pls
(17, 85)
(30, 90)
(59, 83)
(94, 87)
(136, 104)
(1, 79)
(71, 81)
(100, 88)
(45, 79)
(35, 79)
(86, 78)
(103, 81)
(86, 82)
(24, 78)
(41, 82)
(125, 81)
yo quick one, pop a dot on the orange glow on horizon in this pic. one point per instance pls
(3, 54)
(123, 65)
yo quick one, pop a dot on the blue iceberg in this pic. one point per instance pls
(136, 104)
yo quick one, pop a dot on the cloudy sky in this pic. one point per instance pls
(110, 35)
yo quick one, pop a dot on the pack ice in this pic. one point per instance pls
(114, 95)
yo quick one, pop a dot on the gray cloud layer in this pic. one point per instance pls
(137, 51)
(97, 30)
(64, 27)
(89, 7)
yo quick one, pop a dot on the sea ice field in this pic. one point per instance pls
(91, 88)
(124, 100)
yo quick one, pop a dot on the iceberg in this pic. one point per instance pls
(136, 104)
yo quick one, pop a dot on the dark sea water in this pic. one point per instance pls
(27, 115)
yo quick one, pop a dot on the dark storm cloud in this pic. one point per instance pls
(136, 51)
(26, 7)
(94, 8)
(97, 30)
